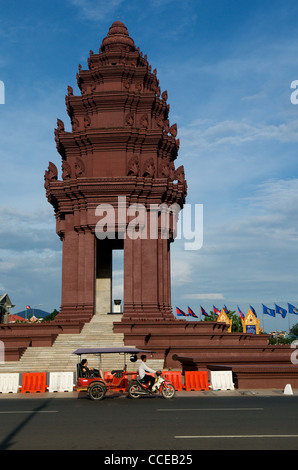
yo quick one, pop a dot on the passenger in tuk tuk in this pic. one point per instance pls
(90, 372)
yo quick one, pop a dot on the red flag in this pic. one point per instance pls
(216, 311)
(204, 312)
(180, 312)
(240, 313)
(191, 312)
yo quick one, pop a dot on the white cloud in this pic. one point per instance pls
(183, 265)
(249, 255)
(97, 10)
(30, 257)
(207, 134)
(204, 296)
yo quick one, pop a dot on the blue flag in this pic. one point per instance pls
(293, 309)
(280, 310)
(253, 311)
(268, 311)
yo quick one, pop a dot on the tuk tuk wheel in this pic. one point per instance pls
(96, 391)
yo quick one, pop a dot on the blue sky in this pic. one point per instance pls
(227, 66)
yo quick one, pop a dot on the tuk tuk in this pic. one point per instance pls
(97, 384)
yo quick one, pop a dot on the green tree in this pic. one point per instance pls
(212, 317)
(52, 315)
(294, 330)
(236, 321)
(281, 340)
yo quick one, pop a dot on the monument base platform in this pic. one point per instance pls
(204, 345)
(205, 342)
(264, 376)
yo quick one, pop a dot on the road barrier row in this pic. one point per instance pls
(36, 382)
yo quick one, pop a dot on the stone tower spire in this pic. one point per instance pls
(121, 143)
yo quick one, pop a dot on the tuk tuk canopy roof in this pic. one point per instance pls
(124, 350)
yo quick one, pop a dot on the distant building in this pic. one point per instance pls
(5, 305)
(278, 334)
(16, 318)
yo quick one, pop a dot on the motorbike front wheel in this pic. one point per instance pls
(168, 391)
(134, 390)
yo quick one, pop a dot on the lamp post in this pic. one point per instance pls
(35, 306)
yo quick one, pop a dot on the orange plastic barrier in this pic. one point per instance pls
(175, 377)
(196, 380)
(34, 382)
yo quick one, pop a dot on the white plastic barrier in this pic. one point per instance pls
(222, 380)
(9, 383)
(61, 382)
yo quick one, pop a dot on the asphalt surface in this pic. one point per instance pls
(117, 425)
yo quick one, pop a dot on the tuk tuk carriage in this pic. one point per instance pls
(97, 385)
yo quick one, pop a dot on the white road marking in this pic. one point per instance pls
(26, 412)
(210, 409)
(245, 436)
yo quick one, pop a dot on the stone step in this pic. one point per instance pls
(60, 358)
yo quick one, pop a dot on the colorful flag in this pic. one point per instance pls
(268, 311)
(226, 309)
(180, 312)
(253, 311)
(191, 312)
(280, 310)
(240, 313)
(28, 307)
(216, 311)
(293, 309)
(204, 312)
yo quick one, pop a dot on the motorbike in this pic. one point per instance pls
(137, 388)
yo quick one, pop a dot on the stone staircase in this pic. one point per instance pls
(59, 358)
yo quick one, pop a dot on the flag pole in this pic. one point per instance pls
(275, 322)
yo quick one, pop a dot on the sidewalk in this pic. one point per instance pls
(191, 394)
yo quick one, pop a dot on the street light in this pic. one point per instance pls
(35, 306)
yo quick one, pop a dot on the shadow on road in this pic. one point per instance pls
(8, 441)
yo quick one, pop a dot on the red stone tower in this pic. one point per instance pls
(121, 144)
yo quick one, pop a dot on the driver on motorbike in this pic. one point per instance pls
(143, 368)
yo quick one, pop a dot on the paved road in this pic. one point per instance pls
(119, 423)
